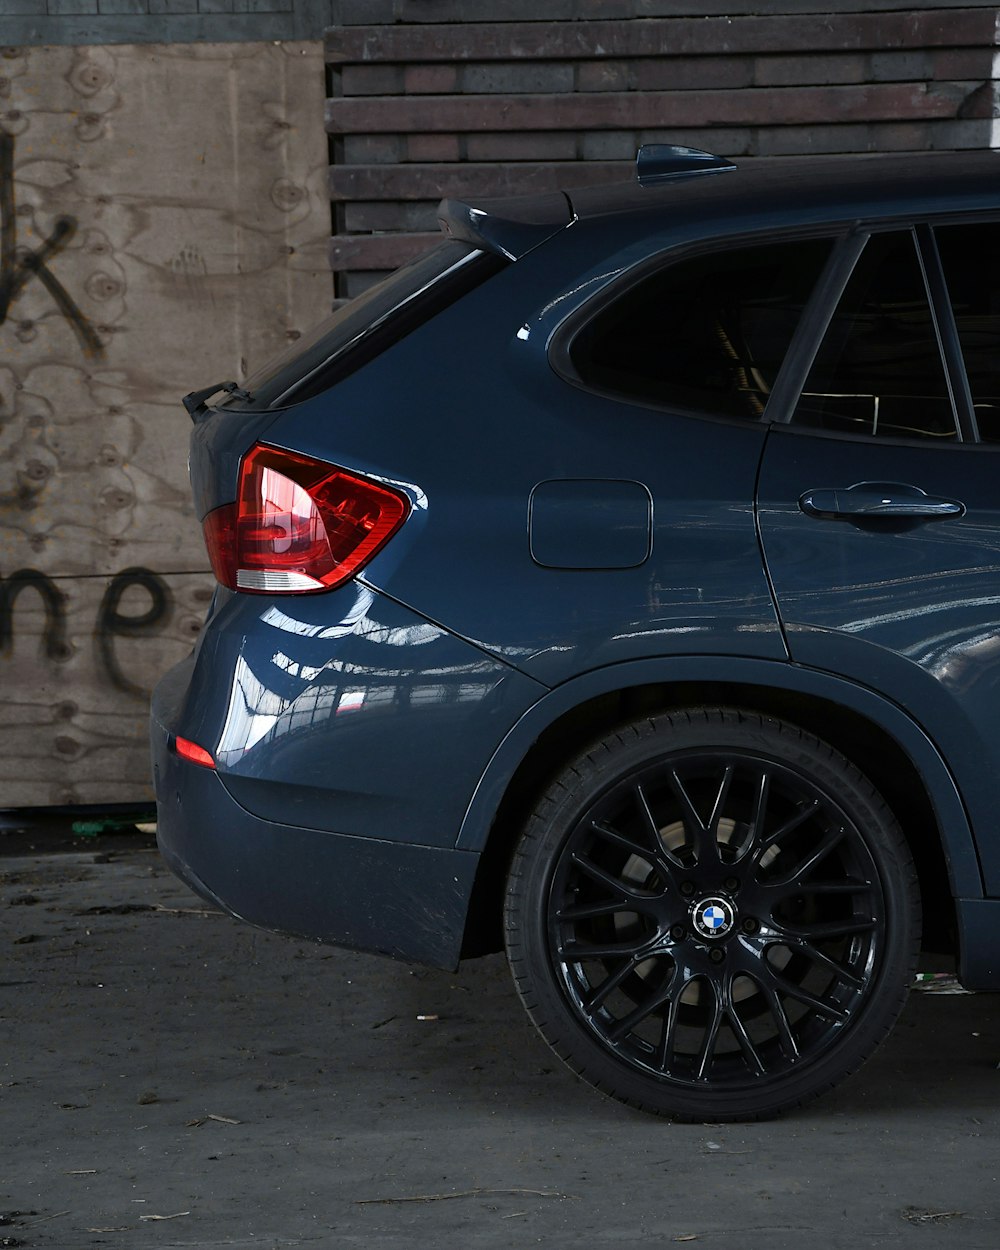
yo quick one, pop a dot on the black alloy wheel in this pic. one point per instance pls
(712, 915)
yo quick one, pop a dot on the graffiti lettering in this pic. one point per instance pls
(111, 621)
(54, 637)
(17, 270)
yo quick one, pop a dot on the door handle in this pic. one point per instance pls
(873, 501)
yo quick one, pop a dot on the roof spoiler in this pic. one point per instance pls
(511, 227)
(508, 227)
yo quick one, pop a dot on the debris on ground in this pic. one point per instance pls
(916, 1215)
(939, 983)
(465, 1193)
(113, 824)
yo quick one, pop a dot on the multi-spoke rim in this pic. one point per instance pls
(716, 919)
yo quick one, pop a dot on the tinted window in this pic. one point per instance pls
(369, 324)
(971, 259)
(879, 370)
(707, 334)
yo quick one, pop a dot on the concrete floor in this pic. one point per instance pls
(169, 1078)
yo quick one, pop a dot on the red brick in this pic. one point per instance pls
(610, 145)
(594, 9)
(485, 10)
(430, 79)
(795, 71)
(687, 73)
(911, 65)
(390, 215)
(367, 149)
(962, 63)
(813, 140)
(424, 182)
(522, 145)
(351, 12)
(900, 136)
(681, 36)
(371, 80)
(377, 251)
(433, 148)
(622, 111)
(878, 137)
(949, 136)
(723, 140)
(978, 103)
(605, 76)
(518, 77)
(351, 285)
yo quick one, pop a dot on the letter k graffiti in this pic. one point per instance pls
(16, 271)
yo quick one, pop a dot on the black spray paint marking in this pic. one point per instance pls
(54, 638)
(17, 271)
(111, 621)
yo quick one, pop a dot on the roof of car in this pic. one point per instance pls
(838, 185)
(761, 193)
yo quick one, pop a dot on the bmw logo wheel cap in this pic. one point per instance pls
(713, 917)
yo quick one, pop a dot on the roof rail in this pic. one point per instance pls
(656, 162)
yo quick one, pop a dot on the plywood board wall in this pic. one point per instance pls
(165, 225)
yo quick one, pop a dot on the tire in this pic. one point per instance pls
(712, 915)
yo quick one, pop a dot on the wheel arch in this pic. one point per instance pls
(876, 735)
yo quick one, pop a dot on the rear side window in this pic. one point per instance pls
(360, 330)
(707, 334)
(879, 371)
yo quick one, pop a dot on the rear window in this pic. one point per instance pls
(358, 331)
(706, 334)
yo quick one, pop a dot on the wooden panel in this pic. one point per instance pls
(78, 657)
(191, 184)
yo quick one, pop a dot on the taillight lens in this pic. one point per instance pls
(299, 524)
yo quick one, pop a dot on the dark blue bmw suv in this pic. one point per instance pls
(620, 583)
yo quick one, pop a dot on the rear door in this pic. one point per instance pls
(879, 500)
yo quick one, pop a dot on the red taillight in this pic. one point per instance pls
(189, 750)
(299, 524)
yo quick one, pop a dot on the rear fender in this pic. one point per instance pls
(958, 842)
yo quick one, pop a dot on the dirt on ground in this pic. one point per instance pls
(170, 1077)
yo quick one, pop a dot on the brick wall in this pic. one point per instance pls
(30, 23)
(436, 97)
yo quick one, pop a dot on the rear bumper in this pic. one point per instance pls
(392, 898)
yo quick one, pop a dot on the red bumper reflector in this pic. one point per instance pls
(188, 750)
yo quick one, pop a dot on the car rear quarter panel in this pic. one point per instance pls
(469, 417)
(348, 713)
